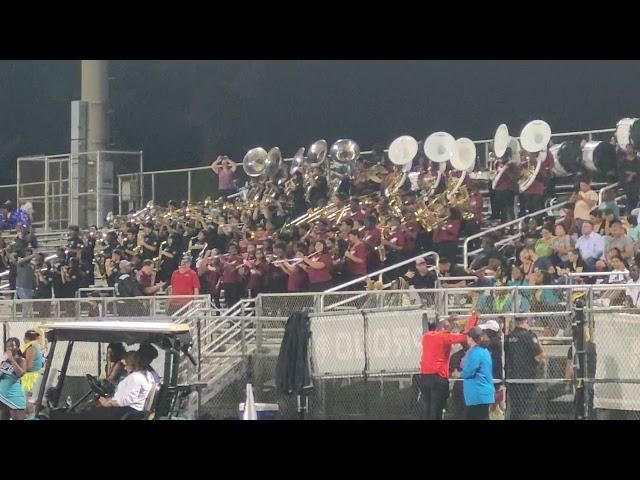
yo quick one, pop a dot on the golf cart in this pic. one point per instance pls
(166, 400)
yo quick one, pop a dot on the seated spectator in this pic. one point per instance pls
(421, 277)
(126, 285)
(633, 290)
(621, 241)
(544, 245)
(609, 203)
(562, 243)
(604, 228)
(447, 269)
(590, 245)
(633, 231)
(113, 369)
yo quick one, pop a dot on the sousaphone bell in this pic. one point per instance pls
(534, 138)
(255, 162)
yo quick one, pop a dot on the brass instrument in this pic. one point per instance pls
(376, 173)
(159, 259)
(535, 137)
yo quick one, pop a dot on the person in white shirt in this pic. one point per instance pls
(131, 392)
(633, 290)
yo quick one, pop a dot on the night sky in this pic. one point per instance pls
(184, 113)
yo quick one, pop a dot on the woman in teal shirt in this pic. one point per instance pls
(13, 402)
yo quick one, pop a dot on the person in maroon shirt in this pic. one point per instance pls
(211, 268)
(433, 380)
(532, 199)
(258, 274)
(319, 263)
(297, 273)
(507, 189)
(146, 278)
(372, 239)
(232, 283)
(471, 226)
(355, 258)
(445, 238)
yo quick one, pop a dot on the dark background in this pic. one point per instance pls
(184, 113)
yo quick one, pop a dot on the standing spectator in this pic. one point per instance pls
(224, 168)
(585, 200)
(629, 173)
(456, 402)
(433, 380)
(146, 277)
(26, 280)
(590, 245)
(477, 375)
(523, 354)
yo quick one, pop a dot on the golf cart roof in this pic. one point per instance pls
(117, 331)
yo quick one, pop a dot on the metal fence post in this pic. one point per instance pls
(579, 366)
(189, 186)
(46, 194)
(199, 340)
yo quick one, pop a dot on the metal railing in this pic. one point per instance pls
(379, 273)
(518, 221)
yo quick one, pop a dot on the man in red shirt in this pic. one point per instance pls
(433, 380)
(355, 257)
(184, 281)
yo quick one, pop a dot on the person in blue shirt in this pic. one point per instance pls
(477, 375)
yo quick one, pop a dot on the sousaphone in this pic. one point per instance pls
(402, 151)
(463, 159)
(438, 147)
(297, 163)
(317, 154)
(501, 141)
(534, 138)
(344, 153)
(255, 162)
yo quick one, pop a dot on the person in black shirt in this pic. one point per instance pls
(523, 354)
(44, 278)
(571, 363)
(129, 244)
(169, 258)
(86, 257)
(318, 188)
(629, 174)
(112, 268)
(127, 285)
(71, 279)
(74, 242)
(422, 277)
(150, 243)
(456, 400)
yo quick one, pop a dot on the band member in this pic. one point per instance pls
(319, 263)
(231, 279)
(225, 168)
(277, 277)
(532, 200)
(297, 273)
(169, 258)
(149, 243)
(506, 189)
(257, 274)
(355, 257)
(445, 238)
(629, 169)
(372, 239)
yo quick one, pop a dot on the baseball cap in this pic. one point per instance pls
(123, 264)
(490, 325)
(475, 332)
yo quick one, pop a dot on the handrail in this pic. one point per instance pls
(465, 246)
(384, 270)
(604, 189)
